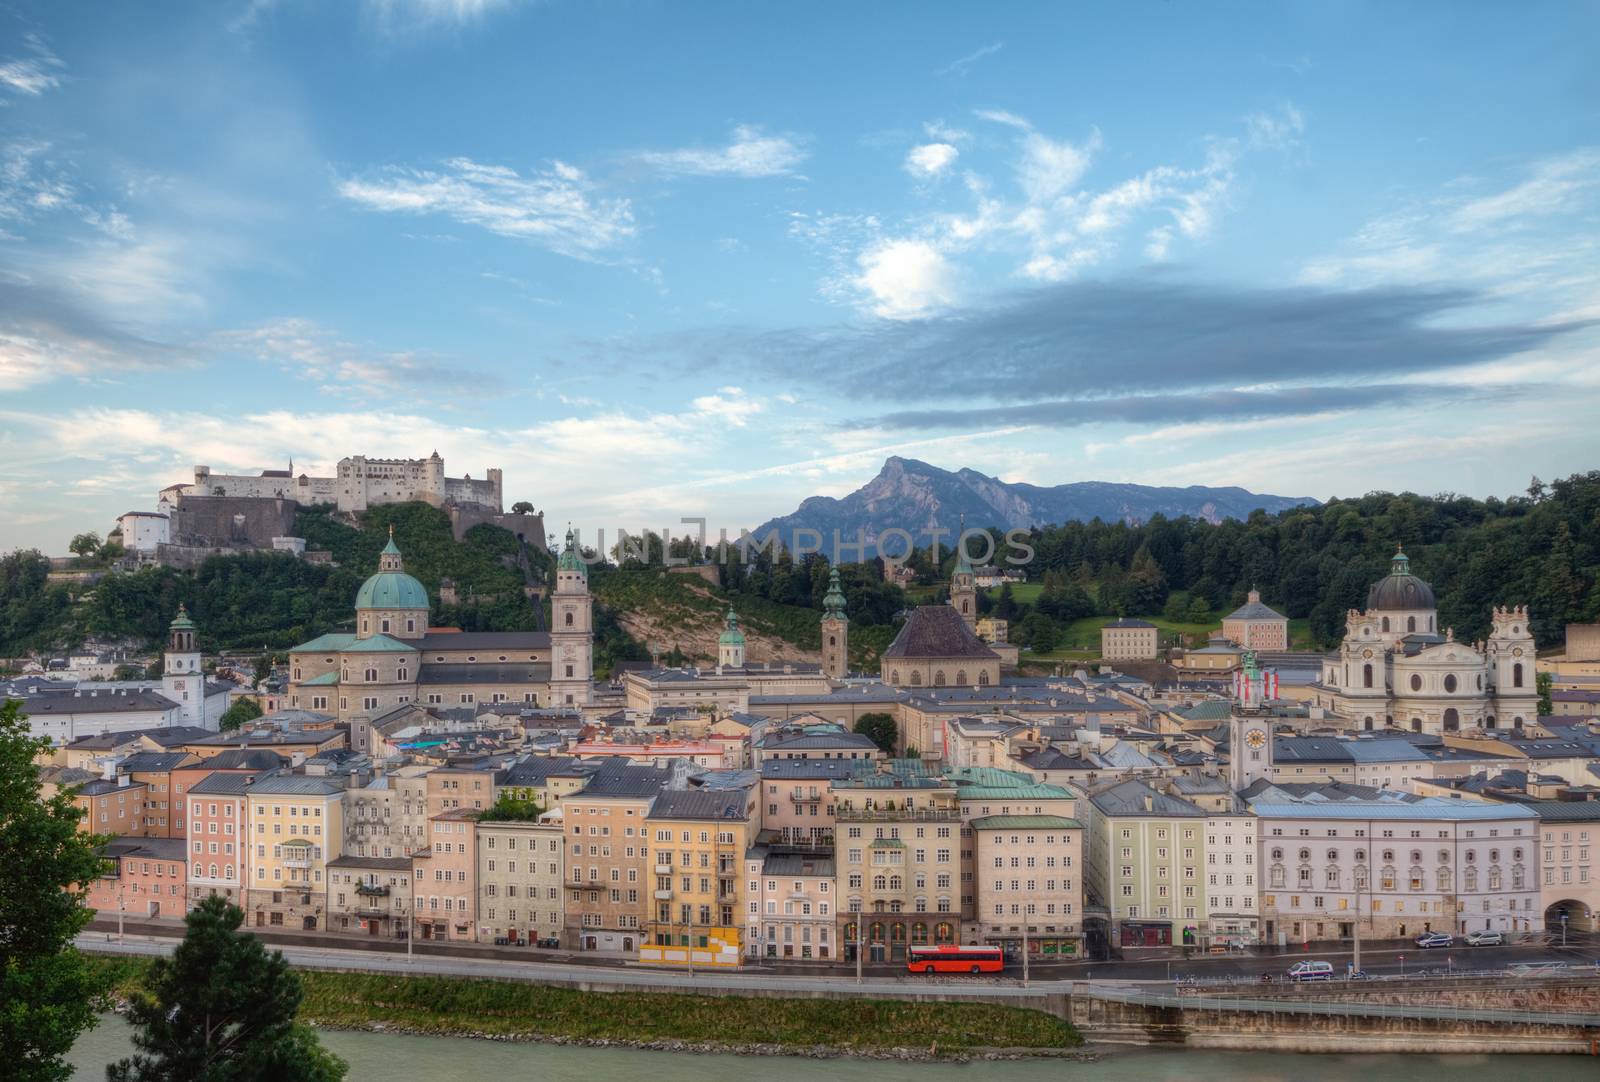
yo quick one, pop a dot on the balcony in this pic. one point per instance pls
(663, 895)
(297, 861)
(847, 814)
(797, 797)
(372, 890)
(663, 869)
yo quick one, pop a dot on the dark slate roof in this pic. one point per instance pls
(937, 631)
(807, 769)
(387, 864)
(1128, 798)
(1566, 811)
(149, 848)
(536, 769)
(625, 781)
(222, 784)
(112, 702)
(1055, 759)
(100, 787)
(471, 672)
(1254, 610)
(485, 640)
(153, 761)
(780, 862)
(699, 804)
(814, 741)
(243, 759)
(1128, 622)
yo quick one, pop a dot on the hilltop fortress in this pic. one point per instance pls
(360, 483)
(221, 513)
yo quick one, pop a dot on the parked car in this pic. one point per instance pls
(1485, 939)
(1311, 971)
(1434, 939)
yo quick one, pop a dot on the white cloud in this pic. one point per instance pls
(1051, 166)
(557, 208)
(1278, 130)
(1002, 116)
(32, 75)
(729, 405)
(959, 66)
(930, 159)
(437, 11)
(342, 367)
(905, 278)
(30, 183)
(749, 154)
(1556, 186)
(940, 132)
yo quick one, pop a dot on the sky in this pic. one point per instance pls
(659, 261)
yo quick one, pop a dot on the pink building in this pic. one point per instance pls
(795, 799)
(445, 877)
(217, 844)
(145, 878)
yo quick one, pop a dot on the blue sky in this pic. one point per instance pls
(707, 259)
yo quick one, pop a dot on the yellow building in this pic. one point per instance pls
(296, 826)
(698, 840)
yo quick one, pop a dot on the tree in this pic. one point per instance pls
(85, 544)
(1198, 612)
(222, 1009)
(47, 990)
(263, 668)
(522, 507)
(1543, 681)
(880, 729)
(240, 712)
(1005, 606)
(510, 809)
(1039, 632)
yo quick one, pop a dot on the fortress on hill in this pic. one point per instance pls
(360, 482)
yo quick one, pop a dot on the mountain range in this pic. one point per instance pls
(918, 498)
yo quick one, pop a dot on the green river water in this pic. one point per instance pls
(395, 1058)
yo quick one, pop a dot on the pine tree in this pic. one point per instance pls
(47, 990)
(222, 1009)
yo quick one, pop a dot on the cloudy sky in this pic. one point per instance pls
(658, 260)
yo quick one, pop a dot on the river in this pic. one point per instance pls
(397, 1058)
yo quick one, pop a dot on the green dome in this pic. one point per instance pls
(391, 590)
(833, 601)
(571, 558)
(733, 636)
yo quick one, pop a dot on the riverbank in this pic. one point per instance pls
(662, 1021)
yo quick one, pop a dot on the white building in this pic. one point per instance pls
(360, 483)
(143, 531)
(1396, 668)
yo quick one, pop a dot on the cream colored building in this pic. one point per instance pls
(609, 876)
(790, 896)
(521, 880)
(698, 841)
(296, 826)
(1254, 626)
(444, 883)
(1130, 640)
(370, 896)
(1029, 879)
(1569, 865)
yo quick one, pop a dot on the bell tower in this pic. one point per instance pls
(182, 680)
(963, 583)
(835, 630)
(1250, 726)
(572, 629)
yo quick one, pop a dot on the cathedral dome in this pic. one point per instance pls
(733, 636)
(391, 587)
(1399, 590)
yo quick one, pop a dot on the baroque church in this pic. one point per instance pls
(1395, 669)
(393, 657)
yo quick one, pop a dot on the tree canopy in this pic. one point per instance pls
(880, 729)
(47, 991)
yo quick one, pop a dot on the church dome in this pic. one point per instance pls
(733, 636)
(1399, 590)
(391, 587)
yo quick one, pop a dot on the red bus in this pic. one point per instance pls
(955, 959)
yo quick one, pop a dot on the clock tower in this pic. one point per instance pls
(1250, 726)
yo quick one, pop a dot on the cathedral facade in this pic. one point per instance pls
(1395, 669)
(394, 658)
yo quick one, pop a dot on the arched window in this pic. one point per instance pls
(1494, 877)
(1360, 875)
(961, 678)
(1386, 877)
(1333, 854)
(895, 882)
(916, 678)
(919, 933)
(1386, 623)
(1416, 682)
(983, 678)
(833, 640)
(880, 882)
(894, 676)
(1277, 876)
(568, 619)
(1518, 876)
(1304, 854)
(1416, 877)
(1452, 719)
(1366, 675)
(1450, 682)
(1367, 724)
(938, 678)
(1411, 623)
(945, 933)
(1516, 675)
(1331, 874)
(1469, 879)
(1304, 875)
(1443, 876)
(1277, 854)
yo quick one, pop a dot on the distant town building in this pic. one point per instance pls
(1130, 640)
(1254, 626)
(359, 483)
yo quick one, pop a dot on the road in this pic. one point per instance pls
(1378, 959)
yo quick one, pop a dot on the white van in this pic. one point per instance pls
(1311, 971)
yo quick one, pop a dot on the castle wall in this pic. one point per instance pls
(229, 522)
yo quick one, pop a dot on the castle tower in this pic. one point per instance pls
(1510, 652)
(963, 583)
(572, 629)
(182, 680)
(835, 630)
(730, 644)
(1250, 725)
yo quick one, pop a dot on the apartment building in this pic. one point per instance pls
(144, 877)
(217, 818)
(295, 826)
(1569, 875)
(450, 787)
(163, 805)
(1028, 872)
(370, 895)
(795, 799)
(898, 854)
(698, 839)
(1144, 862)
(521, 880)
(1130, 640)
(790, 895)
(608, 874)
(1393, 864)
(445, 877)
(110, 806)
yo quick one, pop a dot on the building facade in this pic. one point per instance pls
(1255, 626)
(1130, 640)
(295, 826)
(1029, 886)
(521, 880)
(359, 483)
